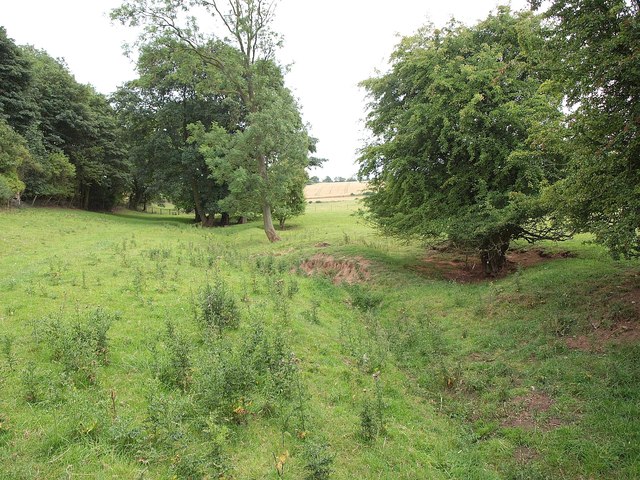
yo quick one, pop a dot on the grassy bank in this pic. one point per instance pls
(140, 346)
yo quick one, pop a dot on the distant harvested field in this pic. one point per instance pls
(334, 191)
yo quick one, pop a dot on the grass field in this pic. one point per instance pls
(140, 346)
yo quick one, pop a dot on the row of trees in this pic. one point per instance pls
(208, 125)
(518, 127)
(58, 139)
(328, 179)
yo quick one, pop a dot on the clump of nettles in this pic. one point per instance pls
(372, 413)
(217, 307)
(81, 346)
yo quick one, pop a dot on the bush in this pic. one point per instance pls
(364, 299)
(318, 460)
(174, 368)
(81, 346)
(218, 308)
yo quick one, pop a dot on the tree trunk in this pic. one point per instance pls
(268, 223)
(208, 221)
(494, 257)
(85, 200)
(224, 220)
(242, 220)
(205, 220)
(282, 220)
(266, 207)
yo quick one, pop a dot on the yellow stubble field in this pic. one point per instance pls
(334, 191)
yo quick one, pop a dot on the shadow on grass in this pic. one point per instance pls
(130, 216)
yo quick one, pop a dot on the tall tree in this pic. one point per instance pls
(276, 134)
(157, 109)
(13, 152)
(73, 136)
(243, 61)
(594, 48)
(456, 126)
(16, 106)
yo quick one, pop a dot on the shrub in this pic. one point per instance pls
(218, 308)
(175, 368)
(364, 299)
(81, 346)
(318, 460)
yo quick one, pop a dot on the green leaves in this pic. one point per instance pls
(456, 133)
(594, 51)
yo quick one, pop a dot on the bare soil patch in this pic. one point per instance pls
(467, 269)
(525, 454)
(614, 318)
(344, 270)
(524, 412)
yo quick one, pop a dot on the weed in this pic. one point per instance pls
(372, 413)
(312, 314)
(175, 369)
(12, 283)
(363, 298)
(31, 383)
(82, 345)
(138, 282)
(6, 347)
(125, 435)
(368, 425)
(292, 287)
(56, 268)
(218, 307)
(318, 460)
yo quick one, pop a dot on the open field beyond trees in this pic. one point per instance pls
(332, 191)
(140, 346)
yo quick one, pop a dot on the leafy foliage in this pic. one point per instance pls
(456, 123)
(13, 153)
(68, 128)
(594, 53)
(218, 307)
(266, 140)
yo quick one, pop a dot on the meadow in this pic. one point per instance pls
(140, 346)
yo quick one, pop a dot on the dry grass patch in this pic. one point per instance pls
(350, 271)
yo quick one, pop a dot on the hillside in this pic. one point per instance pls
(139, 346)
(334, 191)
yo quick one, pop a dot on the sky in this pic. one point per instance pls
(330, 45)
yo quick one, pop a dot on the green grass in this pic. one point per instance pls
(447, 375)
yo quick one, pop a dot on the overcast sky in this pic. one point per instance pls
(331, 44)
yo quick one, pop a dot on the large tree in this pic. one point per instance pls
(16, 106)
(68, 127)
(456, 126)
(13, 153)
(595, 52)
(242, 59)
(171, 93)
(276, 134)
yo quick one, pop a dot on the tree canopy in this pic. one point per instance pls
(456, 124)
(594, 51)
(68, 129)
(241, 68)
